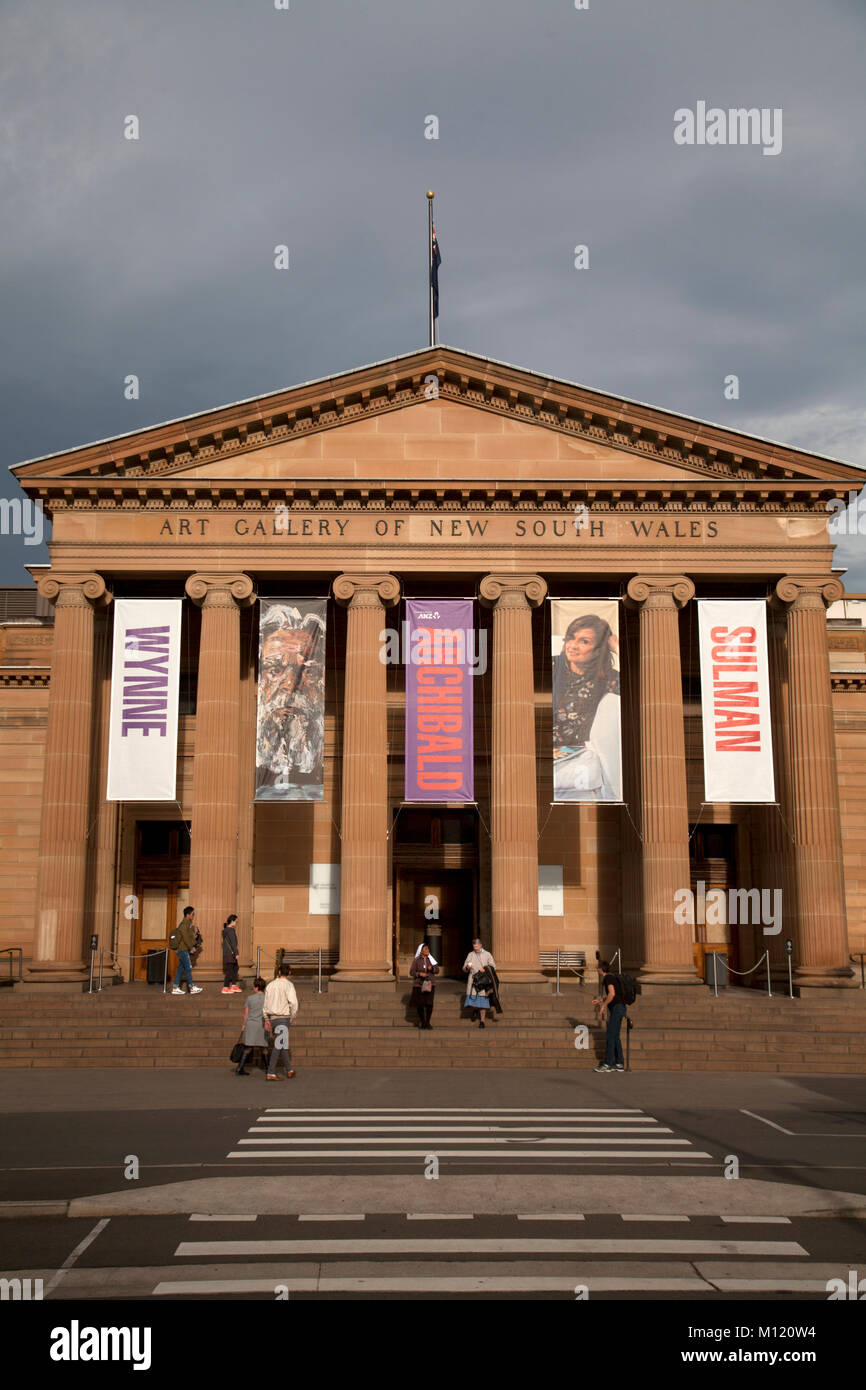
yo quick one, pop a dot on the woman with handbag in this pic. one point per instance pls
(253, 1030)
(481, 984)
(423, 971)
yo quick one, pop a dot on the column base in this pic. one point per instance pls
(380, 980)
(810, 977)
(528, 978)
(650, 975)
(68, 974)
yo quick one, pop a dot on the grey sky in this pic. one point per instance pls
(306, 127)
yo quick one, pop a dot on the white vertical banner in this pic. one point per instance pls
(145, 681)
(735, 700)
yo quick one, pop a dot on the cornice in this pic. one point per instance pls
(602, 496)
(577, 412)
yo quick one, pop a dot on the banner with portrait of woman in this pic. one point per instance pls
(290, 727)
(587, 730)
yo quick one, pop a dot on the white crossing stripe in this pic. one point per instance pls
(425, 1285)
(342, 1216)
(440, 1216)
(756, 1220)
(552, 1216)
(441, 1152)
(199, 1216)
(631, 1217)
(500, 1135)
(495, 1245)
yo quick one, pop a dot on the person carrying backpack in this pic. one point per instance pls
(617, 991)
(182, 940)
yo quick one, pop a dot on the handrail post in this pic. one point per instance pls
(165, 970)
(790, 981)
(716, 973)
(769, 989)
(258, 962)
(92, 954)
(101, 956)
(320, 970)
(557, 970)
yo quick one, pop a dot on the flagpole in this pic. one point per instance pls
(430, 196)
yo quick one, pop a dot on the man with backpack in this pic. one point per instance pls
(183, 940)
(617, 991)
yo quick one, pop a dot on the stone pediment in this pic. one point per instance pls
(439, 417)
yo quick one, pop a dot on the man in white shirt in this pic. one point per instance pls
(280, 1007)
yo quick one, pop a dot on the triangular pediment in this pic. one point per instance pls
(438, 416)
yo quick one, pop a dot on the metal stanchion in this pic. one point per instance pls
(557, 970)
(92, 955)
(258, 962)
(320, 970)
(165, 970)
(790, 981)
(715, 960)
(769, 989)
(101, 956)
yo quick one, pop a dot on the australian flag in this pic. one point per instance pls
(434, 275)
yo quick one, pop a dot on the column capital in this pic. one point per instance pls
(220, 590)
(513, 590)
(366, 590)
(76, 590)
(809, 590)
(660, 590)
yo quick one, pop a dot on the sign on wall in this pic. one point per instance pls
(587, 741)
(439, 737)
(145, 680)
(735, 700)
(551, 902)
(324, 900)
(290, 724)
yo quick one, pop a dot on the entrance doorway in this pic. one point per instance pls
(438, 908)
(713, 866)
(161, 887)
(435, 886)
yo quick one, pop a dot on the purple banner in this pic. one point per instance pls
(438, 652)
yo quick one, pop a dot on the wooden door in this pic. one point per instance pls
(161, 902)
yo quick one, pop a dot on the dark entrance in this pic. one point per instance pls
(161, 887)
(435, 886)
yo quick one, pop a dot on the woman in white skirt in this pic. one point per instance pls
(478, 998)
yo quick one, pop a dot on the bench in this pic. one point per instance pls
(568, 960)
(306, 960)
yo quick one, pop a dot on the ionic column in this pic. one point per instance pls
(213, 864)
(61, 955)
(822, 931)
(365, 919)
(664, 803)
(513, 799)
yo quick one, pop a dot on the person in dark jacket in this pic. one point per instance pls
(424, 970)
(185, 936)
(230, 956)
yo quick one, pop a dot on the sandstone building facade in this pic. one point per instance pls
(437, 474)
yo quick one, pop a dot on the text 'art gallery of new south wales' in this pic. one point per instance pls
(436, 649)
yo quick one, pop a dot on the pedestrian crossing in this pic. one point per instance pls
(494, 1138)
(593, 1255)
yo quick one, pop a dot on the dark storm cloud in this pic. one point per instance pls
(260, 127)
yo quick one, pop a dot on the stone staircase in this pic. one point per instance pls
(683, 1030)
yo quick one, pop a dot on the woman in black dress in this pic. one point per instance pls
(423, 971)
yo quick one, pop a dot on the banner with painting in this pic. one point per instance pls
(587, 734)
(439, 643)
(290, 725)
(145, 680)
(735, 701)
